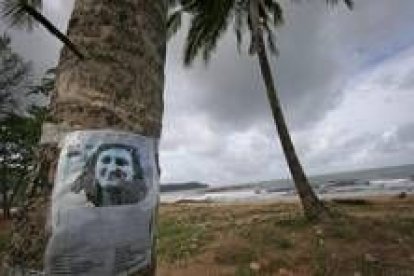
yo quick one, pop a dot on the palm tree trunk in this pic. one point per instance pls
(118, 86)
(313, 207)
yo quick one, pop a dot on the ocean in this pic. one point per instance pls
(371, 182)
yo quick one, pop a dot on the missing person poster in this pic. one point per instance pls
(104, 204)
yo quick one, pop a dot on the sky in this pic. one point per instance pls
(345, 81)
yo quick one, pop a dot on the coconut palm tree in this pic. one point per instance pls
(117, 85)
(209, 19)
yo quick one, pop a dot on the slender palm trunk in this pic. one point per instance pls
(51, 28)
(118, 85)
(312, 206)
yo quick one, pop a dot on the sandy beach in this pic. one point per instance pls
(369, 236)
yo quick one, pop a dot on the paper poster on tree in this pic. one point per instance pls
(103, 204)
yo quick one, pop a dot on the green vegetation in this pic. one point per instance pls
(20, 125)
(4, 241)
(21, 117)
(14, 78)
(179, 240)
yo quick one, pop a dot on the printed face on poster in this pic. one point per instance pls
(112, 175)
(106, 169)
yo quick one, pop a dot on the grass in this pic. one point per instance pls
(4, 241)
(403, 226)
(369, 237)
(179, 240)
(351, 201)
(4, 237)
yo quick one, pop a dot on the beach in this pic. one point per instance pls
(253, 195)
(367, 236)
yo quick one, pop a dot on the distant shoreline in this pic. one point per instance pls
(270, 198)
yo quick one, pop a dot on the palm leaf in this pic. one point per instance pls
(209, 19)
(348, 3)
(14, 12)
(276, 10)
(173, 23)
(24, 13)
(206, 28)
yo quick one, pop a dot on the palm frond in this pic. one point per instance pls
(24, 13)
(209, 19)
(270, 38)
(172, 3)
(206, 28)
(348, 3)
(173, 23)
(14, 13)
(238, 24)
(276, 10)
(221, 25)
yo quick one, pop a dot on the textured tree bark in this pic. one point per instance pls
(29, 237)
(119, 85)
(6, 205)
(314, 209)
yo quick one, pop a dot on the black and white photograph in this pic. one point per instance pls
(112, 176)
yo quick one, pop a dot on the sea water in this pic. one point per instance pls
(362, 183)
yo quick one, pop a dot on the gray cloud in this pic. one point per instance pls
(319, 49)
(39, 46)
(408, 82)
(405, 134)
(217, 124)
(230, 90)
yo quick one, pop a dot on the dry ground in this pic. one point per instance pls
(4, 234)
(367, 237)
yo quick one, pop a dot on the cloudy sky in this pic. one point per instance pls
(346, 83)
